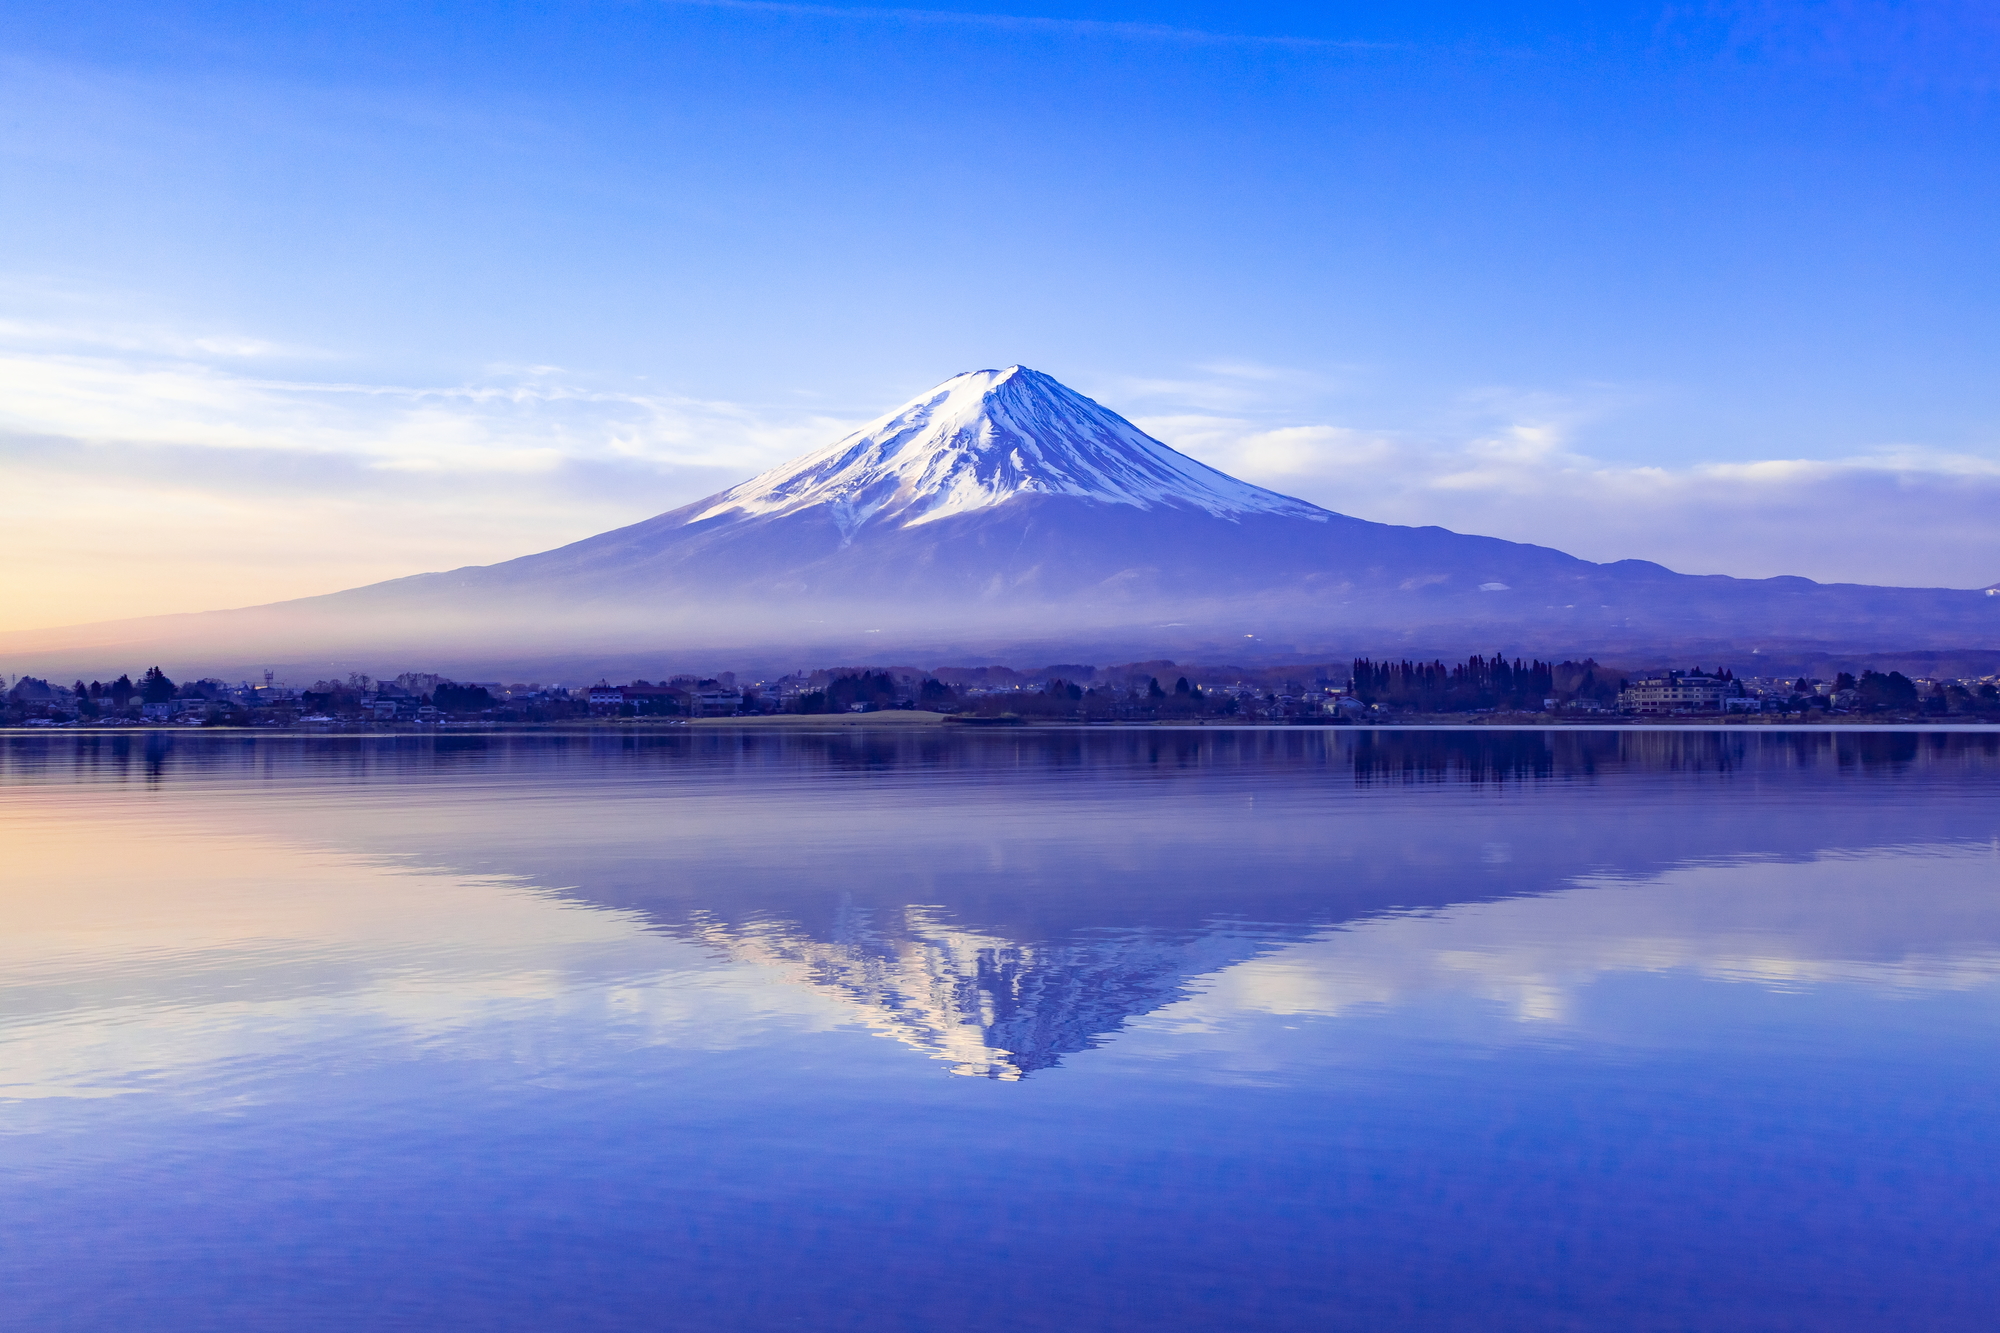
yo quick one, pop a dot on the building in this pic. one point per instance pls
(1577, 705)
(650, 700)
(1675, 692)
(715, 703)
(30, 690)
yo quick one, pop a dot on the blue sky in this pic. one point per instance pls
(295, 297)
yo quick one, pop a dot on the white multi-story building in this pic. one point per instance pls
(1675, 692)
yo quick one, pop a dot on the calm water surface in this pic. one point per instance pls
(1164, 1030)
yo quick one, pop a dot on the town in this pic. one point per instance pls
(1361, 692)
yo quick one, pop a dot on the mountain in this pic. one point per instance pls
(1002, 507)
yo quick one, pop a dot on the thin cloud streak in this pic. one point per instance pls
(520, 420)
(1034, 23)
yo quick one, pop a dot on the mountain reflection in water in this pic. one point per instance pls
(999, 902)
(990, 1006)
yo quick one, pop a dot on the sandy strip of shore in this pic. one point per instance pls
(894, 717)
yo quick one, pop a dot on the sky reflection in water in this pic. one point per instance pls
(1252, 1030)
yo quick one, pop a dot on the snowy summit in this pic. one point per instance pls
(982, 438)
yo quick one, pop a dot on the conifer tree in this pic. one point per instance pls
(155, 687)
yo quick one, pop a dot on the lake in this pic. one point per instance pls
(1095, 1030)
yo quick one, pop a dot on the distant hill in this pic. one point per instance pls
(1003, 509)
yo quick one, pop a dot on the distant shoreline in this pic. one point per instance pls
(902, 720)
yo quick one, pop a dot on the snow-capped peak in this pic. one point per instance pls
(982, 438)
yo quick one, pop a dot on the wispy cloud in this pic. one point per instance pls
(152, 470)
(1148, 32)
(1901, 514)
(1230, 386)
(135, 388)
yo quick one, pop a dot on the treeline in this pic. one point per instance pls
(98, 699)
(873, 690)
(156, 696)
(1478, 683)
(1894, 692)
